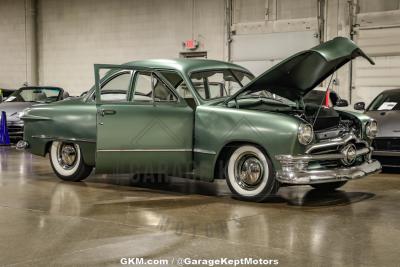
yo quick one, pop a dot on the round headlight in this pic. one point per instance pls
(371, 129)
(305, 134)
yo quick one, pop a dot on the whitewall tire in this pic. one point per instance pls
(250, 174)
(67, 161)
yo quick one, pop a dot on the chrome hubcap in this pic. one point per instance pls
(248, 171)
(67, 155)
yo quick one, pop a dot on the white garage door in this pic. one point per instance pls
(383, 45)
(259, 52)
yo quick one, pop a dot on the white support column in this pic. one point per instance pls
(31, 50)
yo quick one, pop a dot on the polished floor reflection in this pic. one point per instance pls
(46, 222)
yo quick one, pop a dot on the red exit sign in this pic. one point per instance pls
(191, 44)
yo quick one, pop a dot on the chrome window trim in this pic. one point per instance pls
(160, 78)
(118, 73)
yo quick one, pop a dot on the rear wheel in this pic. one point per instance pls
(328, 186)
(250, 174)
(67, 161)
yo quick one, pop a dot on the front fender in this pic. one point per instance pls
(216, 126)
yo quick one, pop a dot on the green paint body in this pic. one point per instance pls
(169, 137)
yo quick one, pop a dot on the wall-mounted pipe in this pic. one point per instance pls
(228, 25)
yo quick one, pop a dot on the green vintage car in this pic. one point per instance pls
(207, 120)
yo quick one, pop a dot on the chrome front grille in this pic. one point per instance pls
(387, 144)
(334, 145)
(15, 130)
(331, 148)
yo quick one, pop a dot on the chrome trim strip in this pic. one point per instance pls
(290, 158)
(203, 151)
(64, 139)
(386, 153)
(144, 150)
(390, 165)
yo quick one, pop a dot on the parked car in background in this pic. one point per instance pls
(385, 109)
(26, 97)
(256, 133)
(5, 93)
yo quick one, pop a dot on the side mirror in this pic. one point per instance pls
(359, 106)
(342, 103)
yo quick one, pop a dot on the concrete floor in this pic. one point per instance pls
(46, 222)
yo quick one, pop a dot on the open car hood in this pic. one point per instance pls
(295, 76)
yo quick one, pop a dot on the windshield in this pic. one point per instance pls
(219, 83)
(40, 95)
(386, 101)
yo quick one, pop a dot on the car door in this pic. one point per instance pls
(149, 131)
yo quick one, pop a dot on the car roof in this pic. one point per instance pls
(185, 65)
(397, 90)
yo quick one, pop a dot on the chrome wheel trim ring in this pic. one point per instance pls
(248, 171)
(67, 155)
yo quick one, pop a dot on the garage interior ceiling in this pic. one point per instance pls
(261, 33)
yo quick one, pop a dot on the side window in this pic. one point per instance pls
(161, 92)
(184, 91)
(147, 84)
(177, 82)
(143, 88)
(116, 89)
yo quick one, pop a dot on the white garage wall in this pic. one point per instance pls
(75, 34)
(378, 35)
(13, 54)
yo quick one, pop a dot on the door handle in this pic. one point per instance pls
(104, 112)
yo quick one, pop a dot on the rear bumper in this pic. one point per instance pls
(291, 176)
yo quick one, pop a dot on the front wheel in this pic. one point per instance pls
(67, 161)
(250, 174)
(328, 186)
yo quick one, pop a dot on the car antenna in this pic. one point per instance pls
(323, 99)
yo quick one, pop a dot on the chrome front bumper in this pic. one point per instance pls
(295, 168)
(327, 176)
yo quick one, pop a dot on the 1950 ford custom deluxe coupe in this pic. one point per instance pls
(208, 119)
